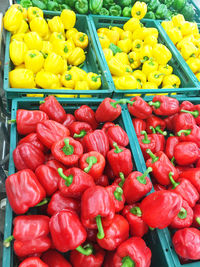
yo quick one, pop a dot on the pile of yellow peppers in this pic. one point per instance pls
(135, 58)
(46, 54)
(185, 35)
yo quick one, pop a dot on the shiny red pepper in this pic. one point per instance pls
(86, 114)
(171, 142)
(195, 112)
(133, 252)
(183, 121)
(169, 121)
(92, 163)
(32, 138)
(116, 193)
(79, 129)
(159, 140)
(69, 119)
(50, 132)
(193, 175)
(186, 105)
(115, 233)
(24, 191)
(186, 153)
(33, 261)
(55, 259)
(67, 150)
(139, 108)
(139, 125)
(54, 164)
(164, 106)
(102, 180)
(196, 219)
(27, 156)
(118, 135)
(106, 126)
(157, 123)
(181, 169)
(53, 109)
(192, 134)
(133, 214)
(146, 141)
(74, 182)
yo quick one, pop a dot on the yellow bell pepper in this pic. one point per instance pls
(104, 41)
(194, 64)
(21, 78)
(12, 19)
(149, 66)
(132, 25)
(167, 25)
(34, 12)
(155, 77)
(198, 76)
(134, 60)
(139, 34)
(80, 40)
(149, 85)
(178, 20)
(17, 50)
(113, 36)
(175, 35)
(63, 48)
(126, 35)
(139, 10)
(126, 82)
(195, 29)
(119, 30)
(137, 45)
(188, 38)
(18, 37)
(78, 73)
(35, 95)
(54, 63)
(116, 67)
(63, 95)
(150, 40)
(47, 36)
(68, 18)
(25, 13)
(47, 48)
(108, 53)
(40, 26)
(186, 28)
(128, 69)
(93, 80)
(68, 80)
(47, 80)
(125, 45)
(65, 68)
(21, 66)
(23, 28)
(140, 76)
(123, 58)
(165, 69)
(146, 53)
(33, 41)
(34, 60)
(161, 54)
(188, 50)
(171, 79)
(197, 44)
(56, 37)
(150, 32)
(56, 25)
(70, 33)
(76, 57)
(81, 85)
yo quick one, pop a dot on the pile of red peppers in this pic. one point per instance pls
(76, 190)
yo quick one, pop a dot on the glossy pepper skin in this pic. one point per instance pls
(164, 105)
(139, 125)
(159, 141)
(191, 135)
(33, 139)
(58, 202)
(106, 126)
(96, 141)
(146, 141)
(183, 121)
(133, 251)
(120, 160)
(185, 249)
(193, 175)
(139, 108)
(69, 119)
(161, 167)
(186, 153)
(27, 156)
(169, 122)
(171, 142)
(54, 259)
(133, 214)
(156, 213)
(92, 163)
(74, 182)
(24, 191)
(79, 129)
(157, 123)
(196, 219)
(54, 164)
(86, 114)
(53, 109)
(67, 150)
(116, 194)
(136, 186)
(33, 261)
(51, 131)
(118, 135)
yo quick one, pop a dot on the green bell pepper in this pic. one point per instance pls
(108, 3)
(150, 15)
(39, 4)
(123, 3)
(146, 1)
(161, 11)
(70, 3)
(188, 12)
(81, 6)
(152, 6)
(26, 3)
(53, 6)
(126, 12)
(115, 10)
(168, 3)
(179, 4)
(104, 12)
(64, 6)
(95, 6)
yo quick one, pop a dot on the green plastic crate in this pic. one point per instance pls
(189, 87)
(156, 240)
(93, 63)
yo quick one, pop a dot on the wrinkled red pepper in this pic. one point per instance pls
(54, 164)
(32, 138)
(139, 108)
(69, 119)
(186, 153)
(54, 259)
(33, 261)
(186, 105)
(102, 180)
(159, 140)
(118, 135)
(164, 106)
(139, 125)
(79, 129)
(157, 123)
(86, 114)
(183, 121)
(171, 142)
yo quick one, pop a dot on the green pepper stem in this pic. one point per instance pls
(136, 211)
(117, 149)
(171, 134)
(7, 241)
(195, 113)
(186, 132)
(130, 102)
(91, 161)
(127, 262)
(100, 234)
(155, 104)
(95, 78)
(42, 102)
(174, 184)
(121, 101)
(141, 178)
(11, 121)
(67, 149)
(80, 135)
(121, 175)
(173, 160)
(145, 140)
(68, 179)
(153, 129)
(151, 228)
(85, 251)
(198, 220)
(43, 202)
(182, 213)
(82, 38)
(118, 193)
(160, 131)
(154, 158)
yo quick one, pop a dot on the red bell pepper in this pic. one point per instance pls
(67, 232)
(181, 169)
(53, 109)
(157, 123)
(69, 119)
(97, 208)
(32, 138)
(183, 121)
(54, 164)
(79, 129)
(106, 126)
(159, 140)
(86, 114)
(186, 105)
(48, 178)
(187, 243)
(197, 165)
(184, 218)
(185, 189)
(115, 233)
(196, 218)
(50, 132)
(161, 167)
(23, 191)
(186, 153)
(94, 260)
(109, 171)
(74, 182)
(136, 186)
(164, 106)
(108, 262)
(133, 214)
(27, 156)
(31, 235)
(120, 181)
(146, 141)
(67, 150)
(158, 187)
(120, 160)
(133, 252)
(109, 110)
(193, 175)
(33, 261)
(118, 135)
(195, 112)
(58, 202)
(139, 125)
(116, 193)
(139, 108)
(172, 141)
(190, 135)
(102, 180)
(160, 207)
(55, 259)
(169, 121)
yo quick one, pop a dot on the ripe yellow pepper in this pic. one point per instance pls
(82, 85)
(126, 82)
(103, 30)
(33, 41)
(171, 79)
(68, 18)
(186, 28)
(178, 20)
(126, 35)
(123, 58)
(34, 60)
(63, 95)
(139, 10)
(63, 48)
(34, 12)
(128, 69)
(195, 29)
(125, 45)
(116, 67)
(23, 28)
(188, 50)
(47, 36)
(149, 66)
(113, 36)
(17, 50)
(108, 53)
(167, 25)
(70, 33)
(175, 35)
(80, 39)
(149, 85)
(47, 48)
(146, 53)
(194, 64)
(47, 80)
(35, 95)
(165, 69)
(132, 25)
(137, 45)
(68, 80)
(140, 76)
(25, 13)
(150, 32)
(40, 26)
(13, 18)
(139, 34)
(76, 57)
(93, 80)
(54, 63)
(134, 59)
(55, 37)
(161, 54)
(18, 37)
(21, 78)
(56, 25)
(21, 66)
(198, 76)
(189, 38)
(104, 41)
(150, 40)
(119, 30)
(155, 77)
(78, 73)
